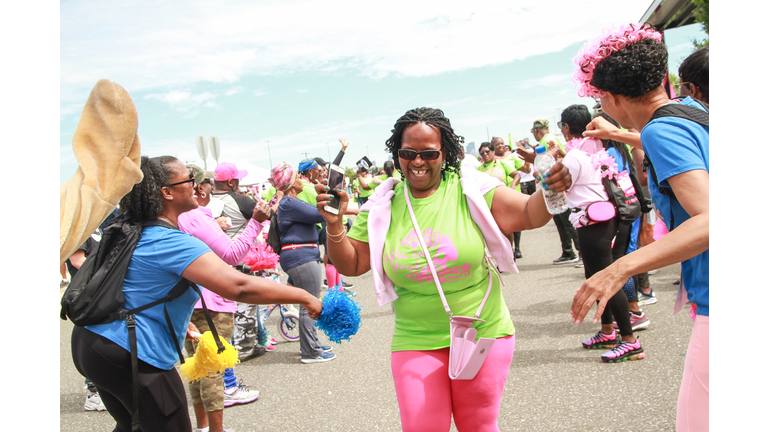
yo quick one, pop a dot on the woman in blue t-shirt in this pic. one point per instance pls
(162, 257)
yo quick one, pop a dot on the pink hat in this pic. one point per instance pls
(228, 171)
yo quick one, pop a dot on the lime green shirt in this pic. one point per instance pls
(500, 169)
(456, 246)
(366, 193)
(549, 137)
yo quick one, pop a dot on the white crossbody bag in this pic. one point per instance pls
(466, 354)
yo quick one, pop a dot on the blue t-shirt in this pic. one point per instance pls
(674, 146)
(296, 221)
(161, 255)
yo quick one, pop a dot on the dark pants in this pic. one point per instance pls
(597, 254)
(528, 187)
(567, 233)
(162, 400)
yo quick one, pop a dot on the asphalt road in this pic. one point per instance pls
(554, 384)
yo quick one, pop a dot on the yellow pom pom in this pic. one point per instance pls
(207, 362)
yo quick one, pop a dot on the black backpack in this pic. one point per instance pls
(273, 235)
(682, 111)
(628, 207)
(95, 293)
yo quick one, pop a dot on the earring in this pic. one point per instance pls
(202, 195)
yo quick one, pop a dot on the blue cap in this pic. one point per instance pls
(540, 149)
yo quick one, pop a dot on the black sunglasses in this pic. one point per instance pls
(425, 155)
(191, 179)
(484, 152)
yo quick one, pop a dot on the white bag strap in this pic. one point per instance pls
(432, 266)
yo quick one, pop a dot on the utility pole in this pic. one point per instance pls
(270, 156)
(329, 152)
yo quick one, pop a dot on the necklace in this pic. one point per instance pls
(168, 219)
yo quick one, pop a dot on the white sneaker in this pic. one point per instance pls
(93, 403)
(241, 395)
(646, 299)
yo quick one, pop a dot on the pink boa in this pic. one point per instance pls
(599, 157)
(594, 51)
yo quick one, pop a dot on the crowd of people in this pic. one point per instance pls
(434, 220)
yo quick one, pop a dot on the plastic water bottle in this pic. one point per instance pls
(556, 201)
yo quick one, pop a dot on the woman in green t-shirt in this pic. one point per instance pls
(458, 216)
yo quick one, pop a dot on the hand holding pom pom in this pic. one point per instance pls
(207, 361)
(340, 318)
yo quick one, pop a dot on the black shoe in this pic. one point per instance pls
(347, 285)
(566, 259)
(518, 254)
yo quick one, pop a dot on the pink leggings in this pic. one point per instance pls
(693, 401)
(427, 396)
(332, 275)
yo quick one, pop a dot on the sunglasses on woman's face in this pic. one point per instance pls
(425, 155)
(484, 152)
(191, 179)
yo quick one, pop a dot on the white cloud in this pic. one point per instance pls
(184, 101)
(144, 45)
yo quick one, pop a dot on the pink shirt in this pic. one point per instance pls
(587, 184)
(201, 224)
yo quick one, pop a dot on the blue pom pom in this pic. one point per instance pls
(340, 318)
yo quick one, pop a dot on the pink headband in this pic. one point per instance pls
(612, 39)
(282, 177)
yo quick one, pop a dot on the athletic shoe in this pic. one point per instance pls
(93, 402)
(347, 285)
(349, 293)
(566, 259)
(240, 395)
(579, 264)
(623, 352)
(63, 283)
(518, 254)
(653, 272)
(644, 299)
(601, 340)
(326, 348)
(324, 357)
(639, 322)
(273, 341)
(325, 283)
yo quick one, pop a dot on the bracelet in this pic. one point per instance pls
(343, 231)
(342, 235)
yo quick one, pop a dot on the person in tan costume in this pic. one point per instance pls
(107, 149)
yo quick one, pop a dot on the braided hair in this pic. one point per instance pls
(145, 201)
(451, 142)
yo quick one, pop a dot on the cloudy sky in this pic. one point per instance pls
(279, 81)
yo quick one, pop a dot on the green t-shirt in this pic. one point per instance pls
(366, 193)
(270, 193)
(549, 137)
(308, 194)
(456, 246)
(500, 169)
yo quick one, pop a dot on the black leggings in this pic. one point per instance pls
(597, 254)
(162, 401)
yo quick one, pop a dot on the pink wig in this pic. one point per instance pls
(594, 51)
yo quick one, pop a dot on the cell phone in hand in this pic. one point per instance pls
(335, 182)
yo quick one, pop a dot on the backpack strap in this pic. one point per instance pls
(687, 112)
(130, 322)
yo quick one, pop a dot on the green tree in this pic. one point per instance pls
(702, 16)
(674, 81)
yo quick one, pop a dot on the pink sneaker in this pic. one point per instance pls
(601, 340)
(623, 352)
